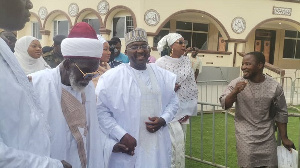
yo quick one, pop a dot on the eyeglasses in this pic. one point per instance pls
(135, 47)
(180, 42)
(88, 75)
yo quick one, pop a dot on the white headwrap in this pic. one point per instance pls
(101, 39)
(28, 64)
(81, 47)
(167, 39)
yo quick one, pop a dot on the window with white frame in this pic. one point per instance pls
(61, 27)
(291, 45)
(94, 23)
(35, 32)
(122, 25)
(164, 31)
(195, 33)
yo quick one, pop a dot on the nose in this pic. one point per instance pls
(29, 5)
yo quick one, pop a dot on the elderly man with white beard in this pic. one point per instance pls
(68, 98)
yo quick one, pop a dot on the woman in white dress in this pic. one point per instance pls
(28, 51)
(172, 48)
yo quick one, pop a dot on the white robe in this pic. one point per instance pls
(63, 144)
(118, 113)
(24, 139)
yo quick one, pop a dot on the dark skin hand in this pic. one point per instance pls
(155, 124)
(129, 142)
(231, 98)
(66, 164)
(283, 134)
(183, 119)
(118, 147)
(177, 86)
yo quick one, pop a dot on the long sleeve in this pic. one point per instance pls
(13, 158)
(282, 113)
(106, 120)
(171, 109)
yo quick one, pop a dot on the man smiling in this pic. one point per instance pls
(135, 101)
(254, 94)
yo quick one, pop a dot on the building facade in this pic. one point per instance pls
(221, 29)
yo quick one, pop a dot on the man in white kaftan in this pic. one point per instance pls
(135, 101)
(24, 140)
(68, 97)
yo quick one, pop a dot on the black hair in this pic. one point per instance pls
(166, 50)
(259, 57)
(116, 39)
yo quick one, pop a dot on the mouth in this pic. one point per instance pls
(141, 58)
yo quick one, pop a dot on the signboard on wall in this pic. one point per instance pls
(282, 11)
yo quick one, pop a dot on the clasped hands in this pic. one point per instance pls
(128, 143)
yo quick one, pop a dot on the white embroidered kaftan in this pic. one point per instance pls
(119, 108)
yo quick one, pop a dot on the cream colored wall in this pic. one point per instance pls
(253, 11)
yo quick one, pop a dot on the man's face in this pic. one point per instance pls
(77, 81)
(250, 67)
(118, 47)
(14, 14)
(138, 57)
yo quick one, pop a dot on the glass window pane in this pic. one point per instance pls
(289, 48)
(183, 25)
(160, 35)
(167, 25)
(297, 56)
(63, 28)
(118, 27)
(200, 27)
(200, 40)
(289, 33)
(55, 28)
(95, 24)
(129, 24)
(187, 36)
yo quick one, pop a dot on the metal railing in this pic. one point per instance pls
(210, 91)
(190, 156)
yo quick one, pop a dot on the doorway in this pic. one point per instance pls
(265, 43)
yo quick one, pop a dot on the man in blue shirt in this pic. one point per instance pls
(120, 56)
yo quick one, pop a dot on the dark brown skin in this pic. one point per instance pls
(253, 71)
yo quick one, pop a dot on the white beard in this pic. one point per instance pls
(77, 87)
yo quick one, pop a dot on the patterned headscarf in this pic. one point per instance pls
(167, 40)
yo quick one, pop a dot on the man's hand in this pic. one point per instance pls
(288, 144)
(118, 147)
(155, 124)
(66, 164)
(187, 51)
(183, 119)
(240, 86)
(29, 78)
(177, 86)
(129, 142)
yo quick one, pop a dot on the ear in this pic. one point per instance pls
(67, 64)
(260, 65)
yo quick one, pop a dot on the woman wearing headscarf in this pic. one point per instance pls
(172, 48)
(28, 51)
(104, 66)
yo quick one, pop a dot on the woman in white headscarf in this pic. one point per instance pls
(103, 60)
(172, 48)
(28, 51)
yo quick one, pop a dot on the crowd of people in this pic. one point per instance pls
(83, 103)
